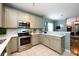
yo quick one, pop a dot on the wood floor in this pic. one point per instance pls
(75, 45)
(40, 50)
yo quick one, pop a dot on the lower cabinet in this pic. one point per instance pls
(41, 40)
(12, 45)
(55, 43)
(45, 40)
(35, 39)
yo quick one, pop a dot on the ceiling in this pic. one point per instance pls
(50, 10)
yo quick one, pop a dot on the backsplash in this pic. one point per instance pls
(9, 32)
(12, 31)
(35, 30)
(15, 31)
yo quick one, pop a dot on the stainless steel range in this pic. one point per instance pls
(24, 40)
(24, 37)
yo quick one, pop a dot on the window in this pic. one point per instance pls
(50, 26)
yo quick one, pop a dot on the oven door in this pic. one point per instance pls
(24, 43)
(24, 40)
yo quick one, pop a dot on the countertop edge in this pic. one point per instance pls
(47, 34)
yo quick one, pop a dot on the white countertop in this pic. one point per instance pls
(52, 34)
(56, 35)
(35, 33)
(4, 44)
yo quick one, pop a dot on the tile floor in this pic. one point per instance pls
(40, 50)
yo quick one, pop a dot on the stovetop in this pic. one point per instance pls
(24, 34)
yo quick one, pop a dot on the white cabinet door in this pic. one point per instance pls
(45, 40)
(56, 44)
(0, 15)
(41, 38)
(24, 17)
(77, 18)
(10, 18)
(35, 39)
(39, 22)
(27, 17)
(12, 45)
(36, 22)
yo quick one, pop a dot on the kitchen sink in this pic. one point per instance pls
(2, 40)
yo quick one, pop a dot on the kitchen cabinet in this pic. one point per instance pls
(44, 40)
(35, 40)
(77, 19)
(0, 15)
(36, 21)
(12, 45)
(24, 17)
(13, 16)
(41, 38)
(10, 18)
(57, 44)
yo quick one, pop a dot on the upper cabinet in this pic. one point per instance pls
(0, 15)
(13, 16)
(24, 17)
(36, 22)
(10, 18)
(77, 18)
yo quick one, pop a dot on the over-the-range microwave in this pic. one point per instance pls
(23, 25)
